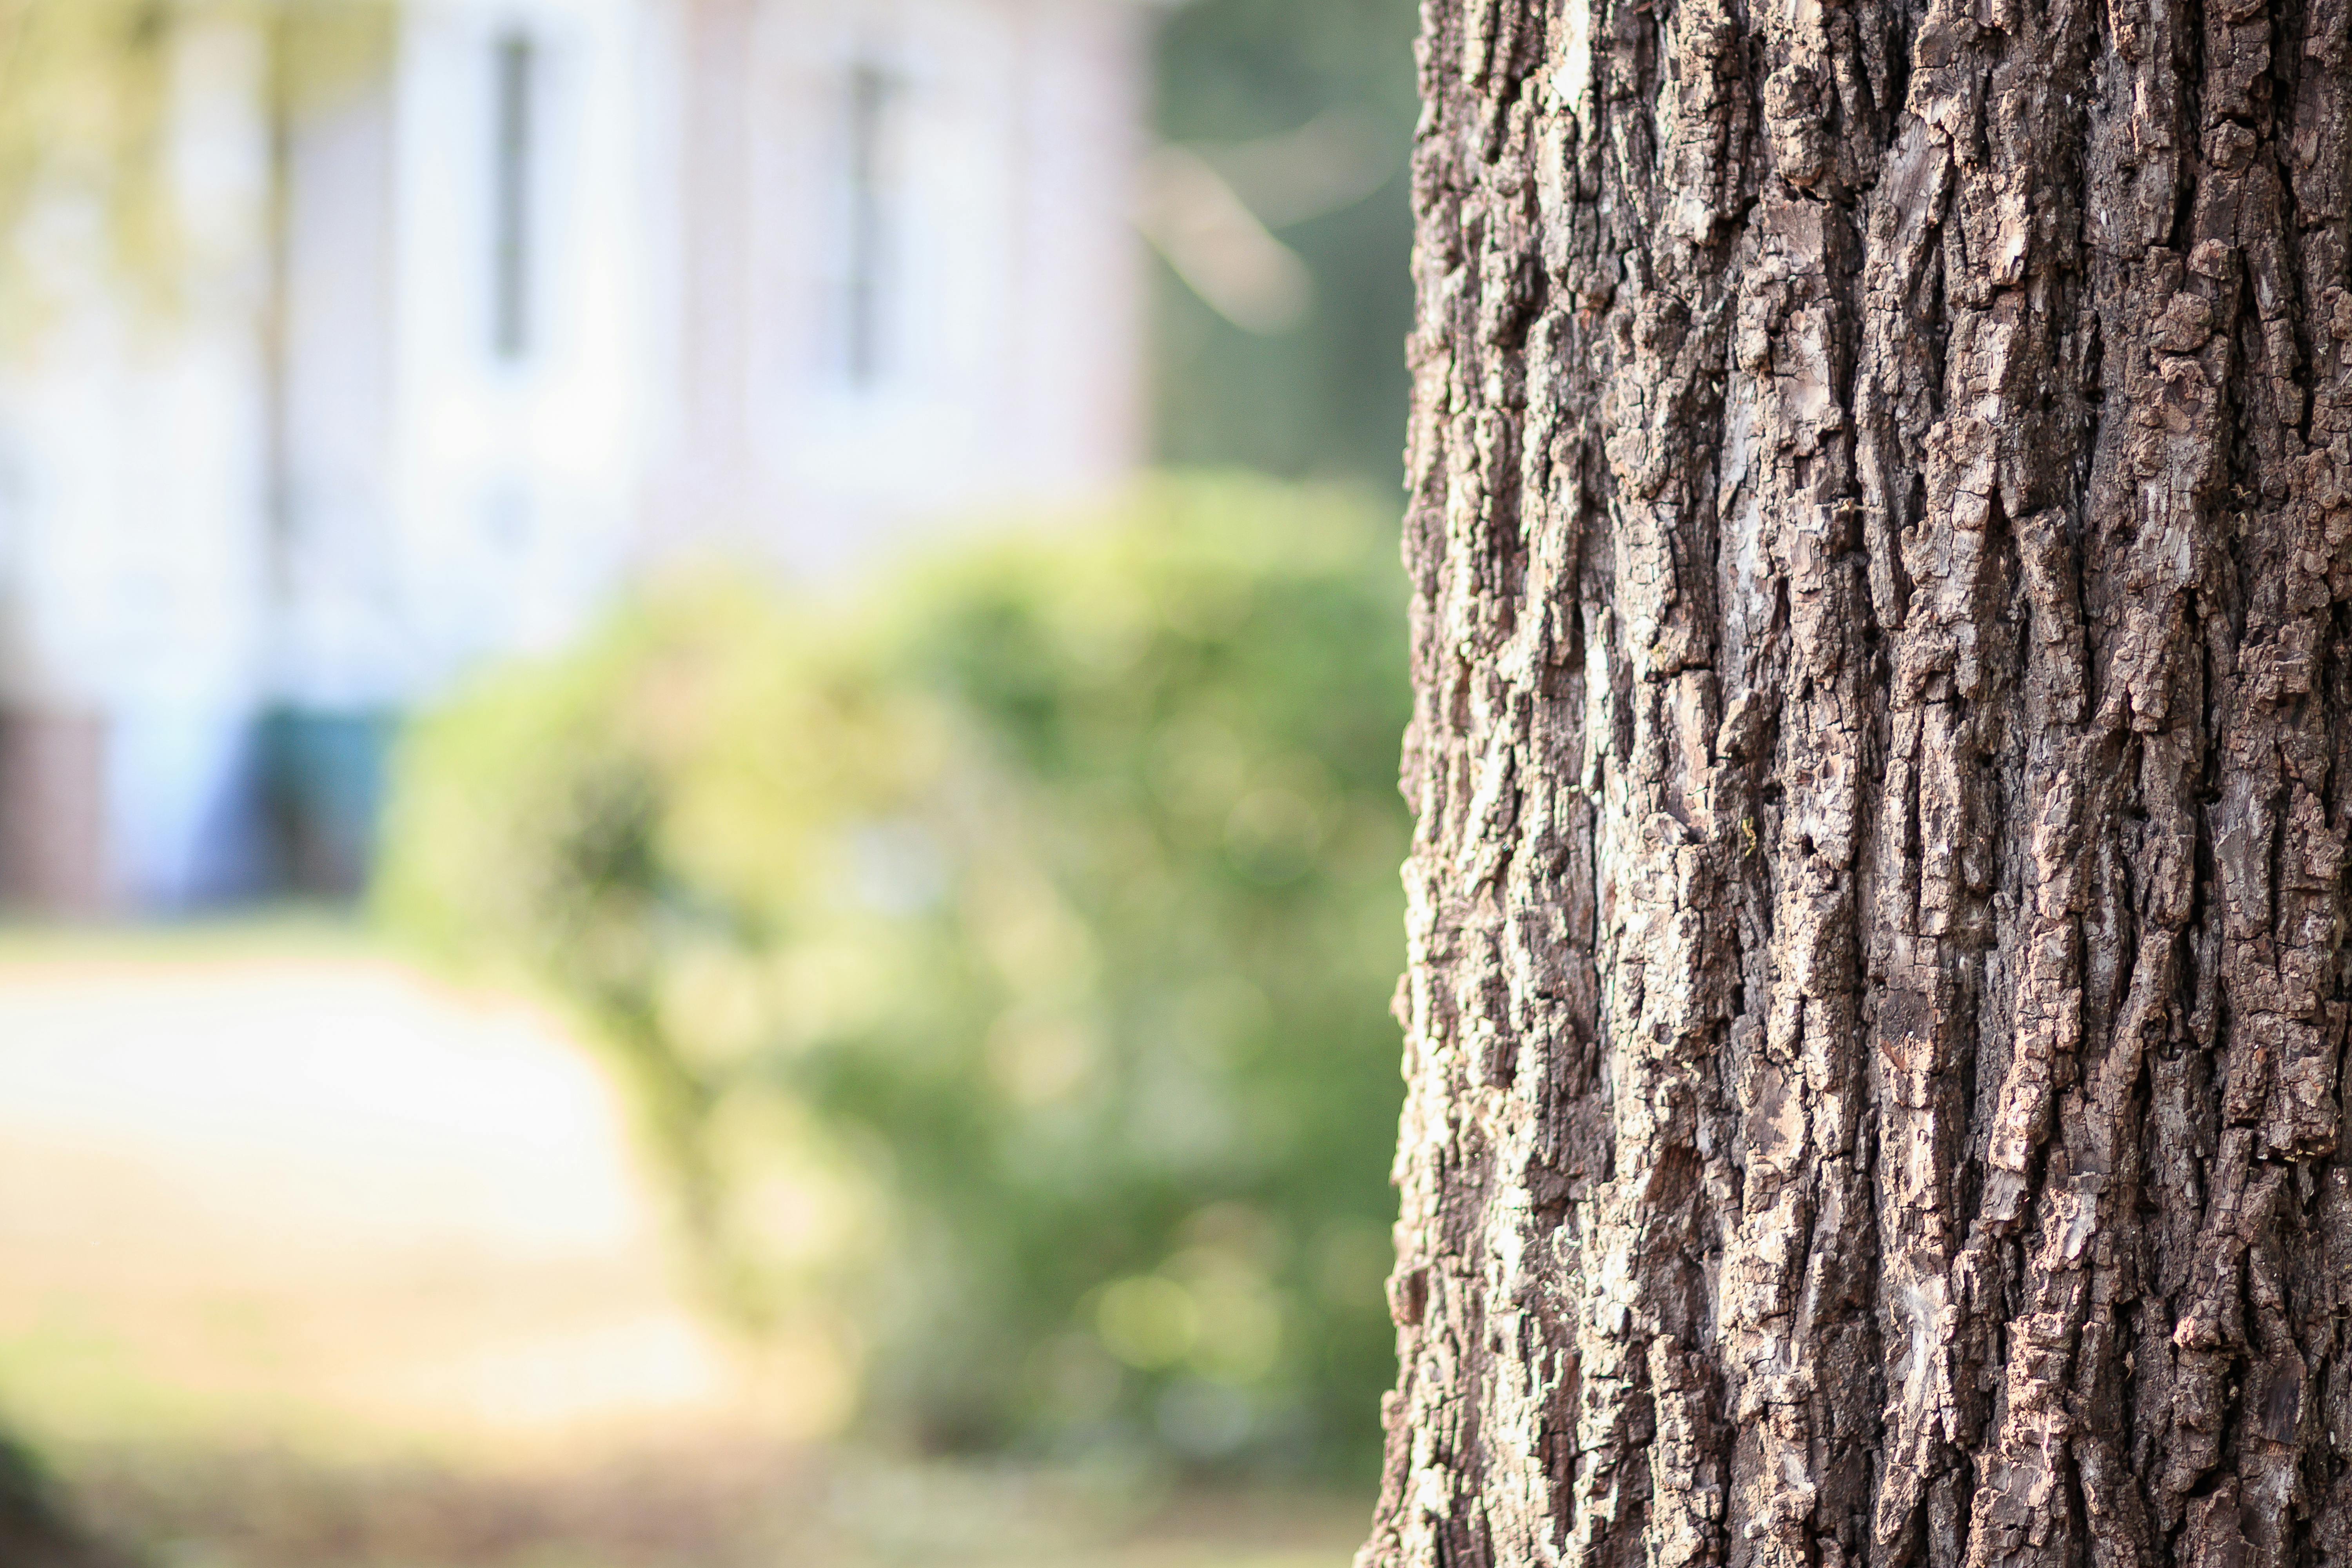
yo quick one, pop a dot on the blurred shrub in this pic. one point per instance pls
(1001, 967)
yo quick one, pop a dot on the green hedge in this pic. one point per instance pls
(1000, 965)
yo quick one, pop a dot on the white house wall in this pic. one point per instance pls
(135, 578)
(1079, 392)
(341, 640)
(515, 483)
(136, 575)
(1011, 286)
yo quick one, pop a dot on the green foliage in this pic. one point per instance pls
(87, 91)
(83, 101)
(1327, 397)
(1001, 967)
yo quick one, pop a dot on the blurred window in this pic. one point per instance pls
(515, 64)
(866, 307)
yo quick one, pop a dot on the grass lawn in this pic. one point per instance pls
(316, 1262)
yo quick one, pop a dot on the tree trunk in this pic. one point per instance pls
(1881, 512)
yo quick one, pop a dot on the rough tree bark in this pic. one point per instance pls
(1881, 527)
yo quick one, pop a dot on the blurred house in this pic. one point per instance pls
(554, 288)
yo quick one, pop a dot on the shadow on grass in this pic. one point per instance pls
(708, 1506)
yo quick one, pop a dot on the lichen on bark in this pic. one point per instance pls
(1881, 526)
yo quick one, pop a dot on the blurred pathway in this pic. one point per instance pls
(313, 1193)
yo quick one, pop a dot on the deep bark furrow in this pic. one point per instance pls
(1881, 527)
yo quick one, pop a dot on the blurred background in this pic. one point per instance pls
(699, 704)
